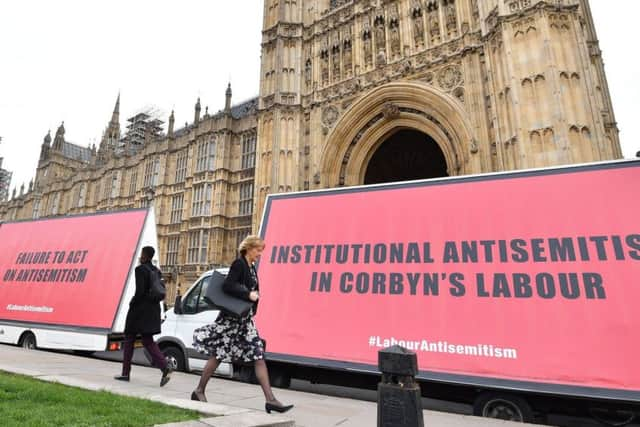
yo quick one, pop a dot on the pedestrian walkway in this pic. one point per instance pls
(236, 404)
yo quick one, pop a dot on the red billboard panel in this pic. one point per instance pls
(67, 271)
(522, 277)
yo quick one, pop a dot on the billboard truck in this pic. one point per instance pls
(66, 282)
(517, 291)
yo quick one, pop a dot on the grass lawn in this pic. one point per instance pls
(27, 402)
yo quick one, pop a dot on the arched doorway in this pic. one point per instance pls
(385, 111)
(406, 155)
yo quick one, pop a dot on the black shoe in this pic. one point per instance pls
(166, 376)
(121, 378)
(276, 407)
(197, 396)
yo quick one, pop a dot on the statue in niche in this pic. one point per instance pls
(325, 67)
(434, 26)
(347, 57)
(452, 21)
(335, 59)
(380, 36)
(418, 29)
(368, 53)
(395, 40)
(307, 72)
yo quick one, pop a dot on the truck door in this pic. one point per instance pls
(196, 312)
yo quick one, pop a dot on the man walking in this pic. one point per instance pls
(143, 319)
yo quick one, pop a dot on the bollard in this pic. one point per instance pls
(399, 403)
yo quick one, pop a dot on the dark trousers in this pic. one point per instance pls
(157, 357)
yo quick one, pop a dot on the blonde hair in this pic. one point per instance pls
(250, 242)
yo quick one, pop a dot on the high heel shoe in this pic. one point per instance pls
(200, 397)
(276, 407)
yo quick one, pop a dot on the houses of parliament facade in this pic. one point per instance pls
(352, 92)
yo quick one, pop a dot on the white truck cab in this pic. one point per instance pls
(190, 312)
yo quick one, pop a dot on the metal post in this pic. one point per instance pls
(399, 400)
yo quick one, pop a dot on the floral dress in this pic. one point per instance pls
(231, 338)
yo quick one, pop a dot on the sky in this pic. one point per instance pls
(67, 60)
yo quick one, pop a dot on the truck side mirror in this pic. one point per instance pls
(177, 307)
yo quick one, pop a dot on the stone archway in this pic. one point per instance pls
(384, 111)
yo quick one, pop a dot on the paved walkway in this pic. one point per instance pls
(239, 404)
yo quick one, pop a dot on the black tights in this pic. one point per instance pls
(261, 373)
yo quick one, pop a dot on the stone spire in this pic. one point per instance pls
(46, 145)
(172, 121)
(196, 119)
(31, 185)
(227, 102)
(111, 135)
(115, 116)
(47, 139)
(58, 141)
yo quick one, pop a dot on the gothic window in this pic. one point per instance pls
(181, 166)
(176, 208)
(246, 198)
(206, 154)
(106, 188)
(55, 204)
(115, 185)
(151, 169)
(248, 150)
(82, 194)
(36, 209)
(133, 183)
(96, 194)
(197, 250)
(172, 250)
(201, 203)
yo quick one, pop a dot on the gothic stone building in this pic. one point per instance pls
(352, 92)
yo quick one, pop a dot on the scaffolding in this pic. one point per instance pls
(143, 127)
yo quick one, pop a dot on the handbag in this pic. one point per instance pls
(217, 297)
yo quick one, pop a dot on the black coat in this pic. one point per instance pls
(144, 315)
(239, 282)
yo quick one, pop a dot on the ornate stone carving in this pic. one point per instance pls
(451, 18)
(394, 29)
(434, 22)
(330, 115)
(307, 72)
(324, 62)
(367, 43)
(459, 94)
(450, 77)
(381, 41)
(474, 146)
(418, 25)
(390, 111)
(335, 59)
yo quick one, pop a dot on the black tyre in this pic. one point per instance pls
(245, 373)
(503, 407)
(175, 358)
(28, 341)
(279, 378)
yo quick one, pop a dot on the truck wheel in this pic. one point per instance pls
(612, 417)
(28, 341)
(246, 374)
(175, 358)
(503, 407)
(279, 378)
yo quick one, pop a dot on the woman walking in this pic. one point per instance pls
(236, 338)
